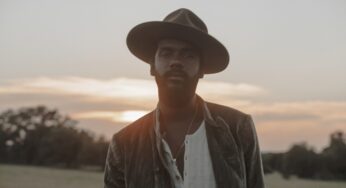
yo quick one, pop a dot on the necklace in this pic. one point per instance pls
(187, 131)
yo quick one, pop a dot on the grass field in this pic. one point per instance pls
(12, 176)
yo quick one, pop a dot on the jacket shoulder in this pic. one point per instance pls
(235, 119)
(225, 112)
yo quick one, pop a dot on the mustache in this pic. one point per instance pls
(175, 73)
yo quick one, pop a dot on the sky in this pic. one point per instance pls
(287, 63)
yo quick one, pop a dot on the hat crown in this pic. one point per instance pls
(186, 17)
(184, 25)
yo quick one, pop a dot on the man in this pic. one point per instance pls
(185, 141)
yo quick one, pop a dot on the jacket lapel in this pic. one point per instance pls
(224, 152)
(161, 176)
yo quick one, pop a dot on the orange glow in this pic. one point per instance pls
(122, 116)
(130, 116)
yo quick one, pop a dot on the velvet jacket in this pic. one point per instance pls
(135, 161)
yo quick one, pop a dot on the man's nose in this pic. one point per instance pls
(176, 62)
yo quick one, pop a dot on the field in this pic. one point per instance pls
(12, 176)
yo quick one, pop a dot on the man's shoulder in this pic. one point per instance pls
(226, 112)
(136, 128)
(235, 119)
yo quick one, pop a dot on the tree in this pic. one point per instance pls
(42, 136)
(23, 132)
(301, 161)
(272, 162)
(334, 157)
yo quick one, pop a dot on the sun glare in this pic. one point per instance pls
(123, 116)
(129, 116)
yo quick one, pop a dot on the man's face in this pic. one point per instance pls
(176, 69)
(177, 65)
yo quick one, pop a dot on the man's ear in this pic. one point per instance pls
(152, 69)
(200, 74)
(200, 70)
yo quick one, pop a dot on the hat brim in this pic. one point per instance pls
(142, 42)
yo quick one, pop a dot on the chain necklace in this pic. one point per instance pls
(187, 131)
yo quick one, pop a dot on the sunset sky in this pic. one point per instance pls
(287, 63)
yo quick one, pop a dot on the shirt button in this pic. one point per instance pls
(177, 177)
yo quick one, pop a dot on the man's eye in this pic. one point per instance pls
(165, 53)
(190, 54)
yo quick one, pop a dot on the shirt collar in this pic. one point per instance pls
(206, 115)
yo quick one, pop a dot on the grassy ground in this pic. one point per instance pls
(12, 176)
(275, 181)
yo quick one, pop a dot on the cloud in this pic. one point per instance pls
(321, 110)
(114, 88)
(99, 99)
(119, 87)
(226, 89)
(282, 123)
(105, 106)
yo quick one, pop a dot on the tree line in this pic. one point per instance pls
(302, 161)
(44, 137)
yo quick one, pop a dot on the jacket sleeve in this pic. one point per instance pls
(252, 154)
(114, 169)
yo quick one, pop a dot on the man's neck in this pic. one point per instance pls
(178, 113)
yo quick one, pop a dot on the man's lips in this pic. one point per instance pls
(176, 76)
(176, 73)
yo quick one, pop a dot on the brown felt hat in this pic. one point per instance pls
(184, 25)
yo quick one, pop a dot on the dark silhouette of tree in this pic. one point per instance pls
(60, 146)
(334, 157)
(42, 136)
(304, 162)
(272, 162)
(301, 161)
(24, 130)
(2, 144)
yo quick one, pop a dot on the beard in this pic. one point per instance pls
(176, 92)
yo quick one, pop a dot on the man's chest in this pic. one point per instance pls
(193, 168)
